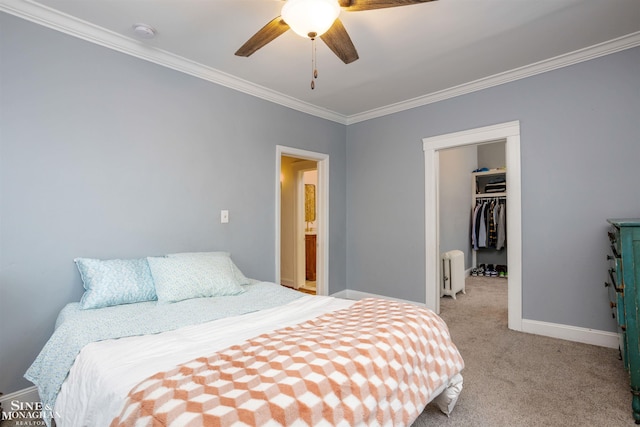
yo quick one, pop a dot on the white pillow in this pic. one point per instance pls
(178, 278)
(240, 278)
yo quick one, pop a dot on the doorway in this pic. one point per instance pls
(471, 187)
(302, 220)
(510, 132)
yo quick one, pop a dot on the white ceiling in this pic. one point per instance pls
(409, 55)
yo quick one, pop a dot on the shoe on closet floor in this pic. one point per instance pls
(487, 272)
(480, 270)
(494, 272)
(502, 270)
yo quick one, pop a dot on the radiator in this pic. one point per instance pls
(452, 273)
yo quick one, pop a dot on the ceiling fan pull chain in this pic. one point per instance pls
(314, 70)
(315, 60)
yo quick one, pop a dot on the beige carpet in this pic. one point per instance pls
(517, 379)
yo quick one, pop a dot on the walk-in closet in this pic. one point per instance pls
(472, 190)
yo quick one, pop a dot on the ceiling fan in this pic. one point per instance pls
(318, 18)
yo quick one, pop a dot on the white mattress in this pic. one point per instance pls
(104, 372)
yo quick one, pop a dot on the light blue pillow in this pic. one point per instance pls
(115, 282)
(178, 278)
(241, 279)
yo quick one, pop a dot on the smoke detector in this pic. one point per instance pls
(144, 31)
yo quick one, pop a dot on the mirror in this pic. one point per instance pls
(309, 204)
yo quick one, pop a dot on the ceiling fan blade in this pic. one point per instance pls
(266, 34)
(340, 43)
(356, 5)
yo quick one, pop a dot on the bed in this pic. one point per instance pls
(266, 355)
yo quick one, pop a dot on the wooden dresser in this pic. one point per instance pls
(624, 297)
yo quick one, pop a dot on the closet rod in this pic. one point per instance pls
(491, 197)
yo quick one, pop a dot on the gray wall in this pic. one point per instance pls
(456, 165)
(492, 155)
(105, 155)
(579, 153)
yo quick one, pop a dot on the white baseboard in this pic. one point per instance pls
(29, 394)
(571, 333)
(546, 329)
(358, 295)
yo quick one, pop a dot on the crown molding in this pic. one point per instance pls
(615, 45)
(56, 20)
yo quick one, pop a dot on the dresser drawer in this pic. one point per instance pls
(622, 343)
(616, 302)
(614, 240)
(615, 285)
(616, 290)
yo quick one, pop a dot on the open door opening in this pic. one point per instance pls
(510, 133)
(298, 225)
(301, 221)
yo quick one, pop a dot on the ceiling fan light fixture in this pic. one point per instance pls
(310, 18)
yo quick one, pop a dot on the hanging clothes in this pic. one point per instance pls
(474, 230)
(488, 224)
(492, 235)
(482, 232)
(502, 226)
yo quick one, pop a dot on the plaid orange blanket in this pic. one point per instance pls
(377, 362)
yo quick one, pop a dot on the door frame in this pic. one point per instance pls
(510, 132)
(299, 271)
(322, 222)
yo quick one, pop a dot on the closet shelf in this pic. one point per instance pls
(480, 179)
(489, 195)
(490, 172)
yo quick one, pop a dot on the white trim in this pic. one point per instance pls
(511, 133)
(299, 270)
(67, 24)
(75, 27)
(612, 46)
(552, 330)
(358, 295)
(29, 394)
(514, 229)
(432, 229)
(571, 333)
(322, 223)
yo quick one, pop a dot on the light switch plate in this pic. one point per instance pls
(224, 216)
